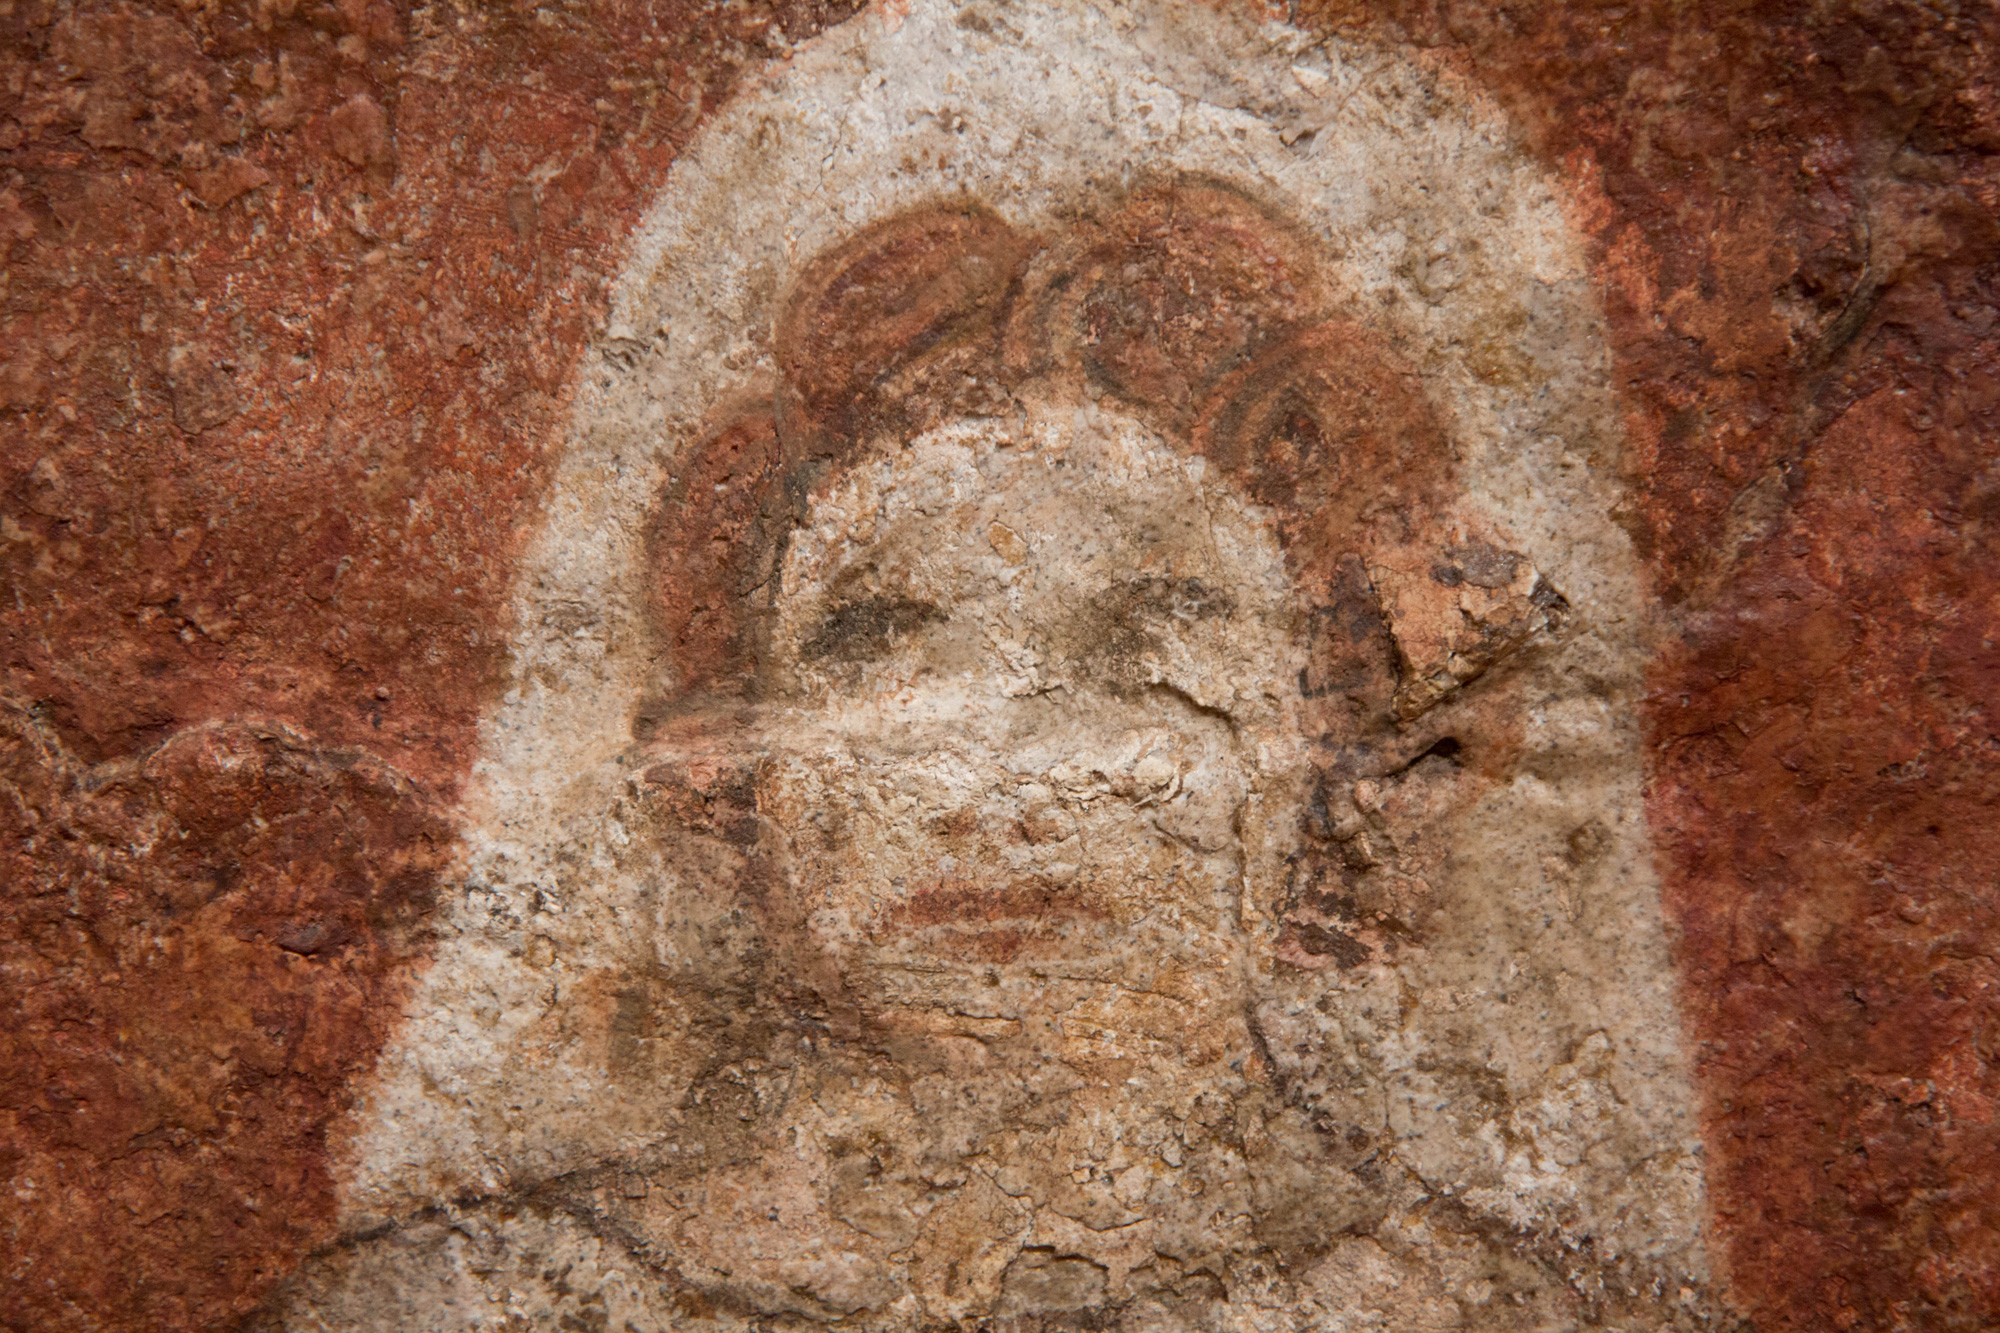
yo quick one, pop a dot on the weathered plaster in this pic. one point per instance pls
(1493, 1057)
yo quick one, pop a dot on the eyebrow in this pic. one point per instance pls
(857, 631)
(1153, 595)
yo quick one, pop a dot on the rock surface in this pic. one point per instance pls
(1593, 412)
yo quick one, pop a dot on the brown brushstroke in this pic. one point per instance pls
(1157, 297)
(714, 550)
(882, 332)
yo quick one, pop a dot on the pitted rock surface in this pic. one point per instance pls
(432, 439)
(1073, 755)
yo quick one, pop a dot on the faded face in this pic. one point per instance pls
(1029, 671)
(1068, 756)
(1031, 712)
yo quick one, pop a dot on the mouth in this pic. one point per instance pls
(973, 923)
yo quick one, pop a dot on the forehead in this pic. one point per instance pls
(1038, 508)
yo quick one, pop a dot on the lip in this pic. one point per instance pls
(1004, 924)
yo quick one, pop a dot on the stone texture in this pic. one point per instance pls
(1038, 858)
(203, 948)
(270, 422)
(279, 396)
(1794, 213)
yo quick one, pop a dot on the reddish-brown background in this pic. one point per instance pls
(294, 296)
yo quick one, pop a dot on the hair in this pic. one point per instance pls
(1193, 305)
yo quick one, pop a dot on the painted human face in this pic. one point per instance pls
(1034, 696)
(1035, 672)
(1045, 771)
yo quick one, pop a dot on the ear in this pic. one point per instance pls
(1166, 295)
(897, 326)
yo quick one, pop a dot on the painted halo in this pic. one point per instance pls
(1027, 427)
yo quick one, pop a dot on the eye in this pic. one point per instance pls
(1138, 608)
(860, 631)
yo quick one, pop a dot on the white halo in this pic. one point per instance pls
(1427, 212)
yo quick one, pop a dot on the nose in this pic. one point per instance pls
(707, 784)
